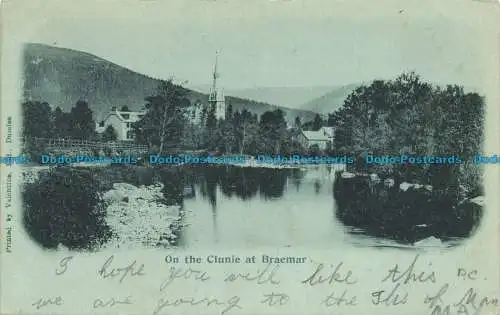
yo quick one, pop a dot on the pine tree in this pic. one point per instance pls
(317, 123)
(82, 125)
(61, 123)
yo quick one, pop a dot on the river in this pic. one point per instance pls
(235, 207)
(263, 207)
(224, 207)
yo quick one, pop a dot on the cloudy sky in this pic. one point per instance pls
(268, 43)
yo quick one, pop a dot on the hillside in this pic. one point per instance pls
(61, 77)
(291, 97)
(330, 101)
(334, 99)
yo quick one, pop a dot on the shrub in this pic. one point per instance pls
(471, 177)
(404, 216)
(63, 207)
(107, 151)
(34, 151)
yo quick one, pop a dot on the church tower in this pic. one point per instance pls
(216, 98)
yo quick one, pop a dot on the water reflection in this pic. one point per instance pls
(234, 206)
(244, 183)
(238, 207)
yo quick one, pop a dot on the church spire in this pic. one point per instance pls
(216, 97)
(216, 73)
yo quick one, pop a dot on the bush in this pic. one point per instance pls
(34, 151)
(107, 151)
(314, 150)
(63, 207)
(471, 177)
(404, 216)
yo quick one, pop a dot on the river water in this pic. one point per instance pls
(235, 207)
(231, 207)
(295, 208)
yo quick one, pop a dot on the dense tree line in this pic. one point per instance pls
(40, 121)
(408, 116)
(166, 127)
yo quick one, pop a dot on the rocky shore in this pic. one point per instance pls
(138, 216)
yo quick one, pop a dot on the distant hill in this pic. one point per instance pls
(291, 97)
(330, 101)
(61, 77)
(334, 99)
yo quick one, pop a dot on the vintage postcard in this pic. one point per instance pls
(250, 157)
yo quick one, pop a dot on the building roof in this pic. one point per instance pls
(315, 135)
(129, 116)
(126, 116)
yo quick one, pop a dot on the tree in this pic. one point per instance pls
(61, 123)
(163, 125)
(37, 123)
(331, 121)
(273, 131)
(226, 137)
(246, 129)
(383, 117)
(203, 116)
(317, 123)
(109, 134)
(193, 136)
(408, 116)
(81, 123)
(211, 139)
(229, 112)
(225, 132)
(37, 118)
(298, 123)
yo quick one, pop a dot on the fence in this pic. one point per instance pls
(86, 145)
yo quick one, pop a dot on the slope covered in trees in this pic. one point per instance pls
(62, 77)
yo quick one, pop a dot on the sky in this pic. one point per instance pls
(282, 44)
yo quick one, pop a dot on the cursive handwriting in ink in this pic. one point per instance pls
(395, 274)
(439, 310)
(342, 300)
(112, 302)
(275, 299)
(124, 272)
(391, 299)
(178, 273)
(437, 299)
(229, 304)
(467, 274)
(44, 302)
(334, 276)
(262, 276)
(471, 301)
(64, 265)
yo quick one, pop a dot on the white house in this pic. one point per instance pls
(122, 123)
(321, 137)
